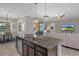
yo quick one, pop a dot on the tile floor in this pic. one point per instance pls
(8, 49)
(69, 52)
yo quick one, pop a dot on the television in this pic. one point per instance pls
(68, 27)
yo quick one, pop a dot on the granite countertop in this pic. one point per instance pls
(49, 42)
(45, 41)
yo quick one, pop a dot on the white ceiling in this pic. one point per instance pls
(71, 10)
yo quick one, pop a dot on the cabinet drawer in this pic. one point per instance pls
(39, 54)
(30, 51)
(41, 49)
(28, 43)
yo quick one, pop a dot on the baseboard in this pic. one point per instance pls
(70, 47)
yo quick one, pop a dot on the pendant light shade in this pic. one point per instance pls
(35, 18)
(46, 17)
(36, 21)
(7, 14)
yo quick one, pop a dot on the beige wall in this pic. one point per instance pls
(28, 26)
(69, 39)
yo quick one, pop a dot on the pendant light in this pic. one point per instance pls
(35, 12)
(7, 14)
(46, 17)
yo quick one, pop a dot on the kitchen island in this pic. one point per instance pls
(42, 46)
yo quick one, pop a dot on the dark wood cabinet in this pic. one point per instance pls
(28, 48)
(30, 51)
(40, 51)
(25, 51)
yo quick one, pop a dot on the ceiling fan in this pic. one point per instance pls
(59, 16)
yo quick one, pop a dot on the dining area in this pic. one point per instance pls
(6, 37)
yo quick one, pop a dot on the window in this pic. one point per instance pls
(4, 27)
